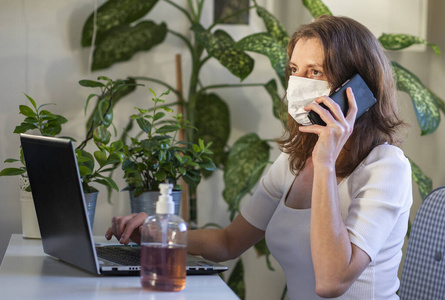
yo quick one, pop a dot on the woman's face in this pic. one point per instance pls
(307, 59)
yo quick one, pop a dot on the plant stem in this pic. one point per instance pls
(217, 86)
(186, 13)
(183, 38)
(161, 83)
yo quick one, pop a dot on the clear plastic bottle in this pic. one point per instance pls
(164, 246)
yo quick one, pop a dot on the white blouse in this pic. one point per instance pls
(375, 201)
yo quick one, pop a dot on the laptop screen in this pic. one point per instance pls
(58, 198)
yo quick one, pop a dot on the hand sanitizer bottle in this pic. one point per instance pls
(164, 246)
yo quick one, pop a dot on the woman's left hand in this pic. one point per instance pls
(333, 136)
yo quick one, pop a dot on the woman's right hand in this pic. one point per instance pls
(126, 228)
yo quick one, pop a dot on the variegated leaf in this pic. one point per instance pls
(121, 43)
(274, 27)
(236, 280)
(424, 101)
(316, 8)
(279, 108)
(402, 41)
(424, 183)
(266, 44)
(114, 13)
(246, 162)
(212, 119)
(221, 46)
(262, 249)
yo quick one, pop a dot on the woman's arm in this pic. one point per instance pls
(337, 262)
(224, 244)
(213, 244)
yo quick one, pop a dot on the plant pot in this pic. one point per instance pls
(146, 202)
(30, 226)
(90, 202)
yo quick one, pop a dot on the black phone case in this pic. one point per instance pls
(363, 95)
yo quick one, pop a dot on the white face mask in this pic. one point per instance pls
(302, 91)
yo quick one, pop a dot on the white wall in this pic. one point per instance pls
(40, 55)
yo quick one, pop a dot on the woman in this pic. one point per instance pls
(334, 206)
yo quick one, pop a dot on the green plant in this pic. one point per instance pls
(156, 155)
(37, 119)
(49, 124)
(108, 155)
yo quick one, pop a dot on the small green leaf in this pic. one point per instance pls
(316, 8)
(424, 101)
(160, 176)
(27, 111)
(179, 158)
(102, 135)
(101, 158)
(424, 183)
(91, 83)
(12, 171)
(114, 158)
(32, 101)
(402, 41)
(11, 160)
(221, 46)
(158, 115)
(167, 129)
(107, 181)
(84, 171)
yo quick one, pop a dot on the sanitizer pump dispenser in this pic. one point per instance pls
(164, 246)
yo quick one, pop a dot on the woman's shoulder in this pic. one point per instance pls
(384, 162)
(386, 152)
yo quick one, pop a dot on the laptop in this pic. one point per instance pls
(61, 213)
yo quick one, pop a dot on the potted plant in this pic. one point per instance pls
(156, 155)
(91, 166)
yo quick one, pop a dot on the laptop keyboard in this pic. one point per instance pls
(127, 256)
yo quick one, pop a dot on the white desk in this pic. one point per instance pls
(28, 273)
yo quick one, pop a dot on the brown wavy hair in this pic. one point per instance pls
(349, 48)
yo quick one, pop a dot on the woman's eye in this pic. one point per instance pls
(293, 70)
(316, 73)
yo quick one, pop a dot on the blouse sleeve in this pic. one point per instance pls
(259, 209)
(381, 192)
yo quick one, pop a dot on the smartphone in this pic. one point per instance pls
(363, 95)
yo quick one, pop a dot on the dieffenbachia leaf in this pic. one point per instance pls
(262, 249)
(279, 108)
(114, 13)
(121, 43)
(424, 101)
(221, 46)
(236, 280)
(402, 41)
(212, 119)
(274, 27)
(247, 159)
(266, 44)
(316, 8)
(424, 183)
